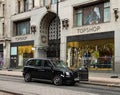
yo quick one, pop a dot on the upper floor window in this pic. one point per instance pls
(78, 17)
(33, 3)
(19, 6)
(22, 28)
(93, 14)
(26, 4)
(107, 12)
(44, 2)
(54, 1)
(62, 0)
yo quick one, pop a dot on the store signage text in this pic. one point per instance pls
(89, 29)
(21, 38)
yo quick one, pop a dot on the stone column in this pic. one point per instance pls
(63, 48)
(117, 52)
(6, 60)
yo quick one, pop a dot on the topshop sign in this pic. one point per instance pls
(89, 29)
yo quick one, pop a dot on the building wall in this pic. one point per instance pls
(104, 27)
(65, 11)
(1, 18)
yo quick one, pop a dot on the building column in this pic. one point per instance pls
(1, 28)
(63, 51)
(6, 56)
(117, 51)
(40, 50)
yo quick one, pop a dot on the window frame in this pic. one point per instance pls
(107, 7)
(46, 62)
(40, 64)
(20, 23)
(80, 15)
(77, 14)
(19, 6)
(53, 1)
(26, 5)
(33, 3)
(44, 2)
(29, 63)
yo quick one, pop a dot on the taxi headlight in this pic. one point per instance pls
(67, 73)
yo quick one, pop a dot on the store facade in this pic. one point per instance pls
(20, 52)
(80, 32)
(34, 36)
(96, 51)
(1, 55)
(92, 37)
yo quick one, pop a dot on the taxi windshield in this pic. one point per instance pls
(60, 64)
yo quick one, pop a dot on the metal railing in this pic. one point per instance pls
(101, 62)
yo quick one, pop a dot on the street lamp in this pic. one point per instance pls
(33, 28)
(57, 23)
(57, 18)
(116, 13)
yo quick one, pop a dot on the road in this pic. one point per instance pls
(17, 85)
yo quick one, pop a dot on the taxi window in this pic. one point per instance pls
(31, 63)
(47, 63)
(39, 62)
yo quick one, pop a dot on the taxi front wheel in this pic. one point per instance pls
(57, 80)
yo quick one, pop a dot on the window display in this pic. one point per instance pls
(95, 54)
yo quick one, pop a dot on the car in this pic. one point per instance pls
(49, 70)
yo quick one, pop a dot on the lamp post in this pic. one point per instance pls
(57, 23)
(57, 18)
(116, 13)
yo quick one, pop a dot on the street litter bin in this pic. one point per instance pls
(83, 74)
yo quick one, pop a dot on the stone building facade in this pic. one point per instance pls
(80, 32)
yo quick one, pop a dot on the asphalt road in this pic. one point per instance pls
(17, 85)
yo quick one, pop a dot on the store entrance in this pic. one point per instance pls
(54, 39)
(50, 29)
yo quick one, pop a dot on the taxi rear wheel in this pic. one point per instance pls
(27, 77)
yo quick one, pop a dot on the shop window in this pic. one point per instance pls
(22, 28)
(94, 14)
(95, 54)
(25, 49)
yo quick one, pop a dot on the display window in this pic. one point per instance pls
(24, 53)
(20, 54)
(95, 54)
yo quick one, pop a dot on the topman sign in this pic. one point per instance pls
(89, 29)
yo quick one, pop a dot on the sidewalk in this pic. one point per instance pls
(94, 78)
(106, 79)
